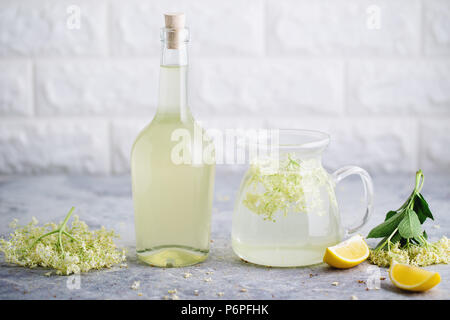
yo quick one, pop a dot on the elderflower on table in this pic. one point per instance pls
(421, 256)
(82, 249)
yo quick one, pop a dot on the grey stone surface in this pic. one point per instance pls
(107, 201)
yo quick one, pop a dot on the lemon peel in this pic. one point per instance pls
(347, 254)
(412, 278)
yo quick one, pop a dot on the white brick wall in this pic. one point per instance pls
(268, 86)
(54, 146)
(73, 100)
(15, 88)
(96, 87)
(38, 28)
(399, 87)
(338, 27)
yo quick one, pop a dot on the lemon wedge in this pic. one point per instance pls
(411, 278)
(347, 254)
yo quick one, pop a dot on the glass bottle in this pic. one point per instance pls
(172, 167)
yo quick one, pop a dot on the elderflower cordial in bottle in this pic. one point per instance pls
(172, 167)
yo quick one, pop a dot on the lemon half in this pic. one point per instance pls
(411, 278)
(347, 254)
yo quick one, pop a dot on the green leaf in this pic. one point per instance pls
(390, 214)
(387, 227)
(421, 208)
(418, 210)
(425, 235)
(424, 206)
(410, 226)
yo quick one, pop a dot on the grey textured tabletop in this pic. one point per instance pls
(107, 201)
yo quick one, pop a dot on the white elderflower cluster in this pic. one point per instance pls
(295, 186)
(433, 253)
(73, 250)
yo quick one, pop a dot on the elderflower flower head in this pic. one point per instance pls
(83, 249)
(433, 253)
(296, 186)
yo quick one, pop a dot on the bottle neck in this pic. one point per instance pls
(173, 93)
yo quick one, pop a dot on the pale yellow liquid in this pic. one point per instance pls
(172, 203)
(297, 239)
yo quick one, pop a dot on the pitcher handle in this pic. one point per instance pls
(346, 171)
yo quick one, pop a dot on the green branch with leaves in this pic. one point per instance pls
(403, 235)
(404, 225)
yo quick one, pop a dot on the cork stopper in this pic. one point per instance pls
(175, 22)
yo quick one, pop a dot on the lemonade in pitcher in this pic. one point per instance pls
(286, 214)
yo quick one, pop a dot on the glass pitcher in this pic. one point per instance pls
(286, 213)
